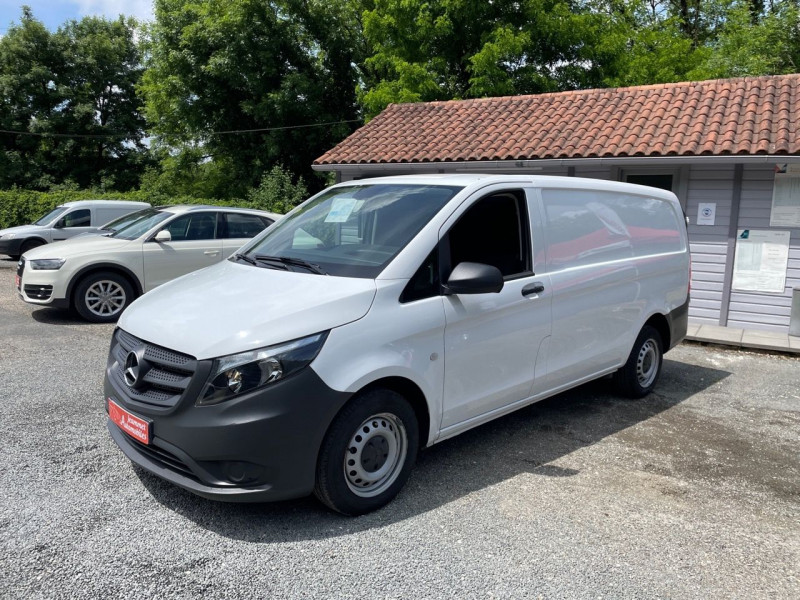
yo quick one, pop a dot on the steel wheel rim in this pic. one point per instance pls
(375, 455)
(105, 298)
(647, 363)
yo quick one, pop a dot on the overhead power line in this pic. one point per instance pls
(210, 133)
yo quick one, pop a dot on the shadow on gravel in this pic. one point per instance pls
(525, 441)
(55, 316)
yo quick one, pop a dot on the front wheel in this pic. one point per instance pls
(102, 297)
(368, 453)
(638, 376)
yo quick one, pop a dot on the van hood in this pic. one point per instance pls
(91, 244)
(22, 230)
(230, 308)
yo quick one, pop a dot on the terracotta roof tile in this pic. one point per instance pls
(753, 115)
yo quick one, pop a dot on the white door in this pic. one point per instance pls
(72, 223)
(492, 340)
(194, 245)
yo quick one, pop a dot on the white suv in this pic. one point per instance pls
(100, 276)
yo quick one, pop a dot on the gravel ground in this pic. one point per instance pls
(691, 493)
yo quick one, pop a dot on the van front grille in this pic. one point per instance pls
(165, 374)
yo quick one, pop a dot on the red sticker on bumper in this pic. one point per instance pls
(136, 427)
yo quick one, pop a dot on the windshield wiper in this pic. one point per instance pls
(245, 258)
(294, 262)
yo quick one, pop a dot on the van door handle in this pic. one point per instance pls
(211, 252)
(537, 287)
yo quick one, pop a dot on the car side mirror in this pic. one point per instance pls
(163, 236)
(474, 278)
(59, 224)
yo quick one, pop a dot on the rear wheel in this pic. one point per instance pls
(368, 453)
(101, 297)
(638, 376)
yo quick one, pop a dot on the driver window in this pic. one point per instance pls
(77, 218)
(494, 231)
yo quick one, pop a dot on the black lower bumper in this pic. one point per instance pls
(11, 247)
(260, 447)
(678, 320)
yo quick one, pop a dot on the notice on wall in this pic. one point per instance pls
(706, 213)
(786, 197)
(761, 261)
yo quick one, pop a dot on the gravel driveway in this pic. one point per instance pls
(693, 492)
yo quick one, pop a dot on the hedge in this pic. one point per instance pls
(20, 207)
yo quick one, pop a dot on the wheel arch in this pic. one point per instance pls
(88, 270)
(659, 323)
(410, 391)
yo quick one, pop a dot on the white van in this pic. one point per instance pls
(63, 222)
(386, 315)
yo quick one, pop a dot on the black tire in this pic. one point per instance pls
(101, 297)
(29, 245)
(639, 375)
(376, 436)
(14, 257)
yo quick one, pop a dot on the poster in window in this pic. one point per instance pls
(761, 261)
(786, 197)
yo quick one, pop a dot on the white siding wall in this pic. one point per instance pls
(709, 243)
(753, 310)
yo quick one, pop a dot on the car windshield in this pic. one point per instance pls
(51, 216)
(125, 220)
(351, 231)
(148, 218)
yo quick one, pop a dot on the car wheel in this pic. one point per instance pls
(29, 245)
(638, 376)
(101, 297)
(368, 453)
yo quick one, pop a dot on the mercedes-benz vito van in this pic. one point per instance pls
(386, 315)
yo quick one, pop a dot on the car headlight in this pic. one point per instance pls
(46, 264)
(8, 236)
(237, 374)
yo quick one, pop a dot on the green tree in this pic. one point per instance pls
(453, 49)
(73, 95)
(279, 67)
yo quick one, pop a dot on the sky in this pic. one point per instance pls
(55, 12)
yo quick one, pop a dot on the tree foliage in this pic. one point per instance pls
(216, 67)
(72, 94)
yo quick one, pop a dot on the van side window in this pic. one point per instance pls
(494, 231)
(585, 227)
(77, 218)
(425, 282)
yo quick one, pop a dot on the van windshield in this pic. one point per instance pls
(51, 216)
(148, 218)
(352, 231)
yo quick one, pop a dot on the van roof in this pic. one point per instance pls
(107, 203)
(479, 180)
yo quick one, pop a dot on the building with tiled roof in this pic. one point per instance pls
(730, 150)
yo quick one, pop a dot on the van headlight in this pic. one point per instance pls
(237, 374)
(46, 264)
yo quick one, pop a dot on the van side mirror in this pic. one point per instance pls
(163, 236)
(474, 278)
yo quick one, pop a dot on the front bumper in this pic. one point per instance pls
(260, 447)
(45, 288)
(12, 246)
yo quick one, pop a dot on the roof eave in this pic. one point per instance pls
(534, 164)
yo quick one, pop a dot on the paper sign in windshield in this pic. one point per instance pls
(340, 210)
